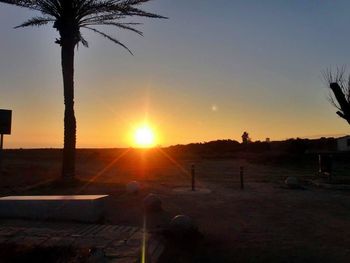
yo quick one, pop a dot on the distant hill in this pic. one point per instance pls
(231, 148)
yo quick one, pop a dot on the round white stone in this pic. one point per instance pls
(133, 187)
(182, 224)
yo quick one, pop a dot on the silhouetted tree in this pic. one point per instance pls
(245, 138)
(340, 86)
(297, 146)
(68, 18)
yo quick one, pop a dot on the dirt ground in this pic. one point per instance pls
(265, 222)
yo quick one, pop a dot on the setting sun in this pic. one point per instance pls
(144, 137)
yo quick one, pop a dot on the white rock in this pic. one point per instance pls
(133, 187)
(152, 203)
(292, 182)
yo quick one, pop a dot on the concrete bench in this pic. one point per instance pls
(83, 208)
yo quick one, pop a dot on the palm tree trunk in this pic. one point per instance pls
(343, 103)
(67, 56)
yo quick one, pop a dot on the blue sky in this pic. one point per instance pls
(258, 62)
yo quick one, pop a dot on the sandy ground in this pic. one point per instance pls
(265, 222)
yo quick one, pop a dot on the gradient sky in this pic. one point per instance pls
(212, 71)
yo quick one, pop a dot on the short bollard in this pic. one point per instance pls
(1, 151)
(241, 174)
(193, 177)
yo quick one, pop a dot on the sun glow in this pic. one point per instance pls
(144, 137)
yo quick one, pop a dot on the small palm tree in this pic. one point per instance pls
(339, 84)
(68, 18)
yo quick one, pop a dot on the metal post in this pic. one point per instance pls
(319, 164)
(329, 167)
(241, 173)
(1, 151)
(193, 178)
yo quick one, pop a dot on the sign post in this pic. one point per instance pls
(5, 128)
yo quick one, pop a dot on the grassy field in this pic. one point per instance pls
(265, 222)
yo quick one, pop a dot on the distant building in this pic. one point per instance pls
(343, 143)
(267, 140)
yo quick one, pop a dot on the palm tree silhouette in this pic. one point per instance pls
(68, 18)
(339, 84)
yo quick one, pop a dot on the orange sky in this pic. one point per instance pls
(206, 73)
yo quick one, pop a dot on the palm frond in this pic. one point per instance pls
(83, 40)
(117, 9)
(31, 4)
(69, 16)
(36, 21)
(51, 7)
(109, 37)
(120, 25)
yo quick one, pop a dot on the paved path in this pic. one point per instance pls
(114, 243)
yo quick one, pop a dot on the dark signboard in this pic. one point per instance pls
(5, 121)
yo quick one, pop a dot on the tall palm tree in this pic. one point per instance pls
(68, 18)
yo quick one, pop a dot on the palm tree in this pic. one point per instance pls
(68, 18)
(339, 84)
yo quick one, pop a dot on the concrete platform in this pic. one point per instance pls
(82, 208)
